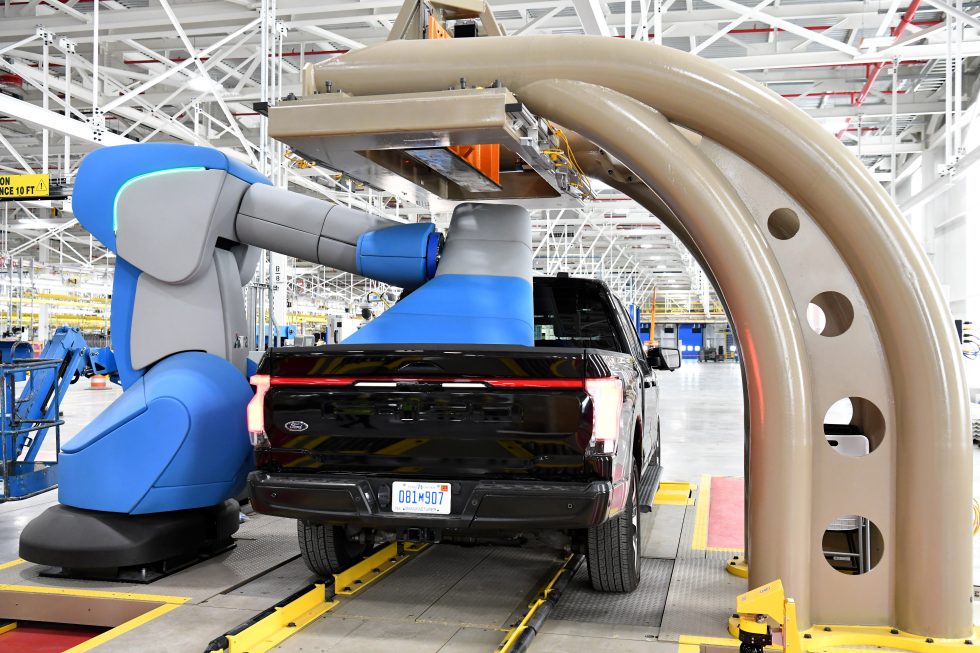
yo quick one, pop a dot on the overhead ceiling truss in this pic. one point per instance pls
(190, 72)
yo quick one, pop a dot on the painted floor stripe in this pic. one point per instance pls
(699, 542)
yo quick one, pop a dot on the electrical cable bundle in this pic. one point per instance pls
(567, 159)
(971, 343)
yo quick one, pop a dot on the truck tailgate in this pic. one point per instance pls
(430, 411)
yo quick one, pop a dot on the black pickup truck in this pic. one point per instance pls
(559, 442)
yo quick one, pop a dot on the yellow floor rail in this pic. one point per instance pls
(271, 627)
(519, 637)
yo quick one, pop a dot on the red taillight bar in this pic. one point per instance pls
(536, 383)
(335, 381)
(607, 402)
(255, 412)
(303, 380)
(606, 394)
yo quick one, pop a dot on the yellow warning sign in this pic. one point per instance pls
(24, 186)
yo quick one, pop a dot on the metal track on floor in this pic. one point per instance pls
(485, 594)
(276, 624)
(519, 638)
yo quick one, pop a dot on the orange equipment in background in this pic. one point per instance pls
(486, 157)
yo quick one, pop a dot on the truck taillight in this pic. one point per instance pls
(607, 402)
(255, 413)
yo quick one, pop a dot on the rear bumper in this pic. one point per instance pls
(476, 505)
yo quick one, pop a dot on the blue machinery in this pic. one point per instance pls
(27, 417)
(152, 476)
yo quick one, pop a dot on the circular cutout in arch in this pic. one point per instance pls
(830, 314)
(854, 427)
(853, 545)
(783, 224)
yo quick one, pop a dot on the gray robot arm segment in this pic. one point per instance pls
(305, 227)
(194, 234)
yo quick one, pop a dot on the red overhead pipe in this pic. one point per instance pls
(876, 68)
(904, 62)
(829, 93)
(816, 28)
(813, 28)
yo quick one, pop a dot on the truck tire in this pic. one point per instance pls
(613, 548)
(327, 549)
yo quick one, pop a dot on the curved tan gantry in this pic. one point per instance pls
(781, 215)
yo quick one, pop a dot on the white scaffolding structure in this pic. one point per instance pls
(79, 75)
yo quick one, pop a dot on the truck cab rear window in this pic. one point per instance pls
(573, 315)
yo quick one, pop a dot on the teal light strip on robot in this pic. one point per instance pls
(115, 203)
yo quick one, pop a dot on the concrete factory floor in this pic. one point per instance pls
(701, 426)
(701, 421)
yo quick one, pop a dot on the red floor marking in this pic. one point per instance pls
(45, 638)
(726, 513)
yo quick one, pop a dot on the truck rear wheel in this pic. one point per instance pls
(328, 550)
(613, 548)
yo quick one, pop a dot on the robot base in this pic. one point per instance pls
(132, 548)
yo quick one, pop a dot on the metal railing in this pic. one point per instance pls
(24, 478)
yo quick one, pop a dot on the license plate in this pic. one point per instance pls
(422, 498)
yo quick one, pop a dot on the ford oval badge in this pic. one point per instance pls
(297, 426)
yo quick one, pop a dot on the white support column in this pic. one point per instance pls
(949, 85)
(278, 281)
(658, 21)
(895, 135)
(46, 39)
(68, 48)
(97, 122)
(643, 27)
(958, 80)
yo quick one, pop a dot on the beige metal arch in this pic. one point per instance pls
(760, 153)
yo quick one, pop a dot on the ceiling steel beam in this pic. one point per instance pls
(785, 25)
(970, 48)
(592, 17)
(46, 119)
(215, 16)
(879, 110)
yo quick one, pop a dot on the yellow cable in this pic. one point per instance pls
(569, 156)
(976, 517)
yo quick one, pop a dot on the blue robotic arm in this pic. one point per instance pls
(185, 223)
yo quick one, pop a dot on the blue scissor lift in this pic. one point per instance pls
(27, 416)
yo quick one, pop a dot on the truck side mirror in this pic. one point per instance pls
(664, 358)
